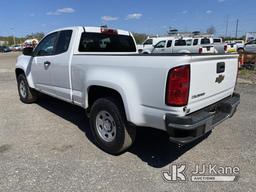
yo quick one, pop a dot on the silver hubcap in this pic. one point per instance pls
(23, 91)
(106, 126)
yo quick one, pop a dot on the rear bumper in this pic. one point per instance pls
(186, 129)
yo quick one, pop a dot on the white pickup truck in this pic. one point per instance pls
(184, 45)
(99, 69)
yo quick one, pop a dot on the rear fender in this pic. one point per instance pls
(124, 84)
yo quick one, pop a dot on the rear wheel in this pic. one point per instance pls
(109, 127)
(27, 95)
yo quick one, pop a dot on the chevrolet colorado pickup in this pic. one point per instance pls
(99, 69)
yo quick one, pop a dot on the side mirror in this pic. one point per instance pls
(28, 51)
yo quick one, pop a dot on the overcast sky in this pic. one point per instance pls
(21, 17)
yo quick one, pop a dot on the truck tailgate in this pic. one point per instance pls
(213, 78)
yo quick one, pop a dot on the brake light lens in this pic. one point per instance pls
(108, 31)
(200, 50)
(225, 47)
(178, 84)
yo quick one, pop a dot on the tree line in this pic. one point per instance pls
(19, 40)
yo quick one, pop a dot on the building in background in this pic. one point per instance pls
(3, 43)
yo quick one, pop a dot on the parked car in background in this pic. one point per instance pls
(205, 45)
(249, 47)
(4, 49)
(17, 48)
(183, 45)
(170, 45)
(239, 43)
(217, 40)
(148, 45)
(219, 46)
(231, 46)
(139, 48)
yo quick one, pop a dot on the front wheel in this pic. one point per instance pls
(240, 50)
(27, 95)
(109, 127)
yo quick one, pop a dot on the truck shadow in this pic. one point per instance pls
(151, 146)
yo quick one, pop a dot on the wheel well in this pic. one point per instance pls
(96, 92)
(18, 72)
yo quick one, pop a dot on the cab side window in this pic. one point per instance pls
(169, 43)
(180, 42)
(63, 41)
(148, 42)
(195, 42)
(47, 46)
(161, 44)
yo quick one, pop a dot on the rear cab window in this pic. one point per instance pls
(180, 42)
(205, 41)
(101, 42)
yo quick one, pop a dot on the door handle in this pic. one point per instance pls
(47, 64)
(220, 67)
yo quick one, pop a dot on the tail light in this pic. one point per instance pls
(225, 47)
(178, 83)
(108, 31)
(200, 50)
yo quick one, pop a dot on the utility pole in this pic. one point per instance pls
(227, 26)
(237, 21)
(14, 42)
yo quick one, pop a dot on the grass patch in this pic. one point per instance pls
(247, 75)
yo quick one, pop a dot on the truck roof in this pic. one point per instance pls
(93, 29)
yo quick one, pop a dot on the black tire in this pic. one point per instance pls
(240, 50)
(29, 95)
(125, 134)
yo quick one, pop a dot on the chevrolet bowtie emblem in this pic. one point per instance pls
(219, 79)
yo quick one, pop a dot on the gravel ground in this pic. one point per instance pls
(47, 146)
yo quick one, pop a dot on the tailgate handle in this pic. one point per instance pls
(220, 67)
